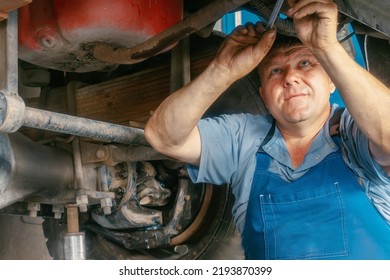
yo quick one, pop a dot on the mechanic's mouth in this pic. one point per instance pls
(291, 96)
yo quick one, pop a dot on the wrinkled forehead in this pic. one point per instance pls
(281, 52)
(285, 51)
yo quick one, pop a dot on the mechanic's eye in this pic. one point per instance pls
(275, 71)
(304, 63)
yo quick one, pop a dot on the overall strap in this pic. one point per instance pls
(334, 124)
(334, 121)
(267, 137)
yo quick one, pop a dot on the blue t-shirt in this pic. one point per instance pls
(230, 143)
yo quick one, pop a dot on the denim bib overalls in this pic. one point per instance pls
(325, 214)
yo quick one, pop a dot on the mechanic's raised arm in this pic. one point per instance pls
(172, 129)
(366, 98)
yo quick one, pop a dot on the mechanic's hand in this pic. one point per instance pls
(243, 49)
(315, 22)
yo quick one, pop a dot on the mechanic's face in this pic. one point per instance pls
(294, 86)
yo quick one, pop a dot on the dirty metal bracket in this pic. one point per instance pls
(169, 36)
(374, 13)
(14, 114)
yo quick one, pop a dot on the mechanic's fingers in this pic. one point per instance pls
(303, 8)
(240, 30)
(250, 29)
(265, 43)
(260, 27)
(268, 38)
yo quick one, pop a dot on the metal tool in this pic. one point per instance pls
(274, 14)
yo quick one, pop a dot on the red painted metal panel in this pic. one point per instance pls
(59, 34)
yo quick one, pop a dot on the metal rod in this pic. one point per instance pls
(274, 14)
(78, 169)
(180, 65)
(9, 53)
(46, 120)
(169, 36)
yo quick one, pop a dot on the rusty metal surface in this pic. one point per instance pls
(169, 36)
(197, 223)
(61, 34)
(119, 154)
(374, 13)
(12, 109)
(24, 165)
(9, 55)
(129, 213)
(98, 130)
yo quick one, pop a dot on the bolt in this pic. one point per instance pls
(123, 174)
(82, 202)
(48, 41)
(58, 210)
(180, 249)
(106, 204)
(151, 243)
(120, 191)
(34, 207)
(100, 153)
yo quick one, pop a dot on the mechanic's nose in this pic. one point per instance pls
(291, 77)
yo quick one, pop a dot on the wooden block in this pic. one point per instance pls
(3, 15)
(9, 5)
(137, 124)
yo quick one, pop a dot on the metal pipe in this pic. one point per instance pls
(24, 169)
(169, 36)
(14, 114)
(83, 127)
(78, 169)
(9, 53)
(119, 154)
(74, 246)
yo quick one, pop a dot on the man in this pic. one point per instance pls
(302, 191)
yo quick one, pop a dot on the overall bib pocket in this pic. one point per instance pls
(305, 225)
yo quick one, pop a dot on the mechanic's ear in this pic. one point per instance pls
(262, 95)
(332, 87)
